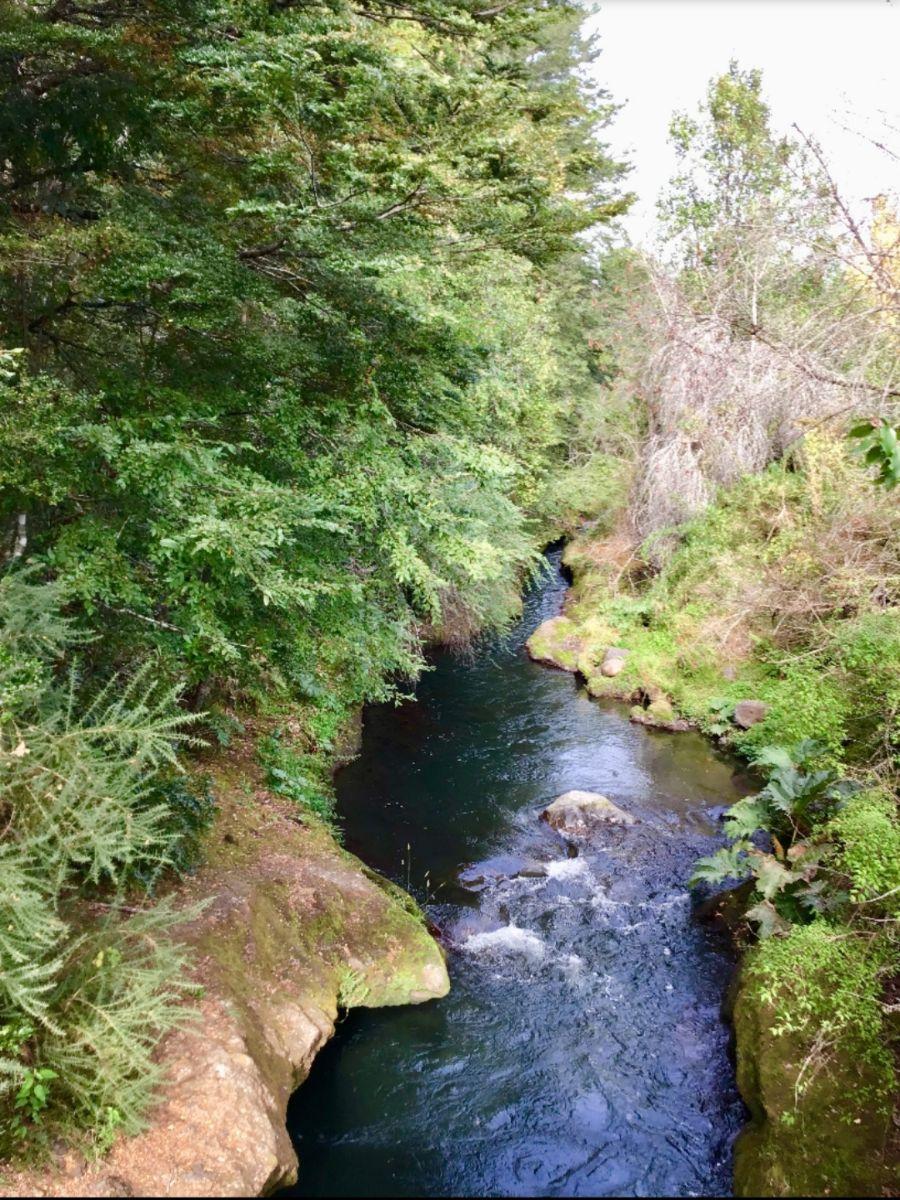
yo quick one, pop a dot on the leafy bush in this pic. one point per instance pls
(866, 840)
(796, 801)
(879, 443)
(298, 776)
(346, 365)
(824, 985)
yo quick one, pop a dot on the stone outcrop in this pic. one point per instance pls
(556, 643)
(295, 929)
(660, 715)
(577, 814)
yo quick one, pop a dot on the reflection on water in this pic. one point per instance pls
(581, 1050)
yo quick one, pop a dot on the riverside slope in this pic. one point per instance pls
(294, 930)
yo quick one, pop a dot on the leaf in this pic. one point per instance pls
(806, 750)
(771, 923)
(771, 876)
(747, 816)
(728, 863)
(774, 756)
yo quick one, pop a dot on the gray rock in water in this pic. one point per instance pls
(613, 661)
(577, 813)
(749, 712)
(480, 875)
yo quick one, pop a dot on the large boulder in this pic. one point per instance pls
(578, 813)
(748, 713)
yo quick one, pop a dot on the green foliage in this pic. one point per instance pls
(824, 986)
(796, 801)
(189, 808)
(336, 250)
(295, 329)
(866, 837)
(299, 776)
(83, 779)
(745, 208)
(879, 444)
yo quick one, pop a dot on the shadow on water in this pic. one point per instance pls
(581, 1049)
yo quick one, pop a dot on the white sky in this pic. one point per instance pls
(824, 63)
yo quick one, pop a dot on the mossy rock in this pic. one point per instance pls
(819, 1140)
(556, 643)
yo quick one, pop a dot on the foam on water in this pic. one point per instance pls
(566, 868)
(511, 939)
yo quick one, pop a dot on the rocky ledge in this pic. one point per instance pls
(295, 930)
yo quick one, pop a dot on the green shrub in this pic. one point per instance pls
(798, 798)
(87, 805)
(866, 835)
(824, 983)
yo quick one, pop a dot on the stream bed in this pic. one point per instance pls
(581, 1050)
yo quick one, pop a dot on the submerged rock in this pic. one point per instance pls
(578, 813)
(460, 929)
(478, 876)
(748, 713)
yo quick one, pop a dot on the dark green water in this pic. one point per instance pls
(581, 1050)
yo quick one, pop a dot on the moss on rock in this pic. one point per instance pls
(556, 643)
(817, 1083)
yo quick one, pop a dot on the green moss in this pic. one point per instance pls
(813, 1068)
(556, 642)
(661, 711)
(867, 835)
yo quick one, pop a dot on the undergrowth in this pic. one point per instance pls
(301, 776)
(92, 813)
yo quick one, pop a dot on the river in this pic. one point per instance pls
(581, 1050)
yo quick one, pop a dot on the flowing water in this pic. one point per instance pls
(581, 1050)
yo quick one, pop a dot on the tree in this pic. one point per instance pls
(241, 248)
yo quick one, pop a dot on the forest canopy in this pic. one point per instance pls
(297, 287)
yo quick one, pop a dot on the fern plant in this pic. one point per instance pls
(83, 999)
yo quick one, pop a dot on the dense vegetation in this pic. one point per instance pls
(293, 338)
(759, 560)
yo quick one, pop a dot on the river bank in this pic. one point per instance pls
(591, 950)
(812, 1010)
(294, 931)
